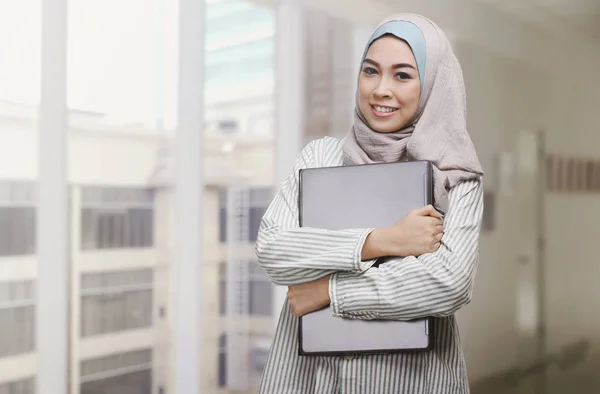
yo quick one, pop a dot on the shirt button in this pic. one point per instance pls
(349, 357)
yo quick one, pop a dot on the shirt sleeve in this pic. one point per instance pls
(434, 284)
(290, 254)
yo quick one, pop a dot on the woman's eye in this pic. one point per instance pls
(370, 70)
(404, 76)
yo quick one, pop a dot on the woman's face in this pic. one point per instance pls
(389, 86)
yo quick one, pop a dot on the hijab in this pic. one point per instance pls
(437, 132)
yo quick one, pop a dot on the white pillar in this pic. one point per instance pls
(75, 286)
(52, 311)
(289, 100)
(189, 188)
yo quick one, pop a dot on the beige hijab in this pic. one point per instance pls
(438, 131)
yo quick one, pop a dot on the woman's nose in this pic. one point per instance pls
(382, 89)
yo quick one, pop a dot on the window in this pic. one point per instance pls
(17, 218)
(222, 360)
(117, 218)
(260, 198)
(239, 72)
(116, 301)
(259, 352)
(235, 25)
(17, 314)
(240, 63)
(121, 373)
(25, 386)
(242, 52)
(239, 37)
(260, 295)
(225, 7)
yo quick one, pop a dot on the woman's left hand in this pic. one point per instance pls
(309, 297)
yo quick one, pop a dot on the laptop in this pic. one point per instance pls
(362, 196)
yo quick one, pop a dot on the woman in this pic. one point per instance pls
(410, 105)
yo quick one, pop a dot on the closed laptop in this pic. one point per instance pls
(362, 196)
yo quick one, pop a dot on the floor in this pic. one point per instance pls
(583, 378)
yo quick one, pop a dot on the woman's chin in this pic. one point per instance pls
(385, 125)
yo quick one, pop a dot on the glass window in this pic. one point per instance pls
(260, 199)
(240, 44)
(113, 374)
(117, 218)
(236, 26)
(258, 355)
(260, 295)
(116, 301)
(252, 50)
(222, 360)
(225, 74)
(224, 7)
(17, 314)
(24, 386)
(17, 218)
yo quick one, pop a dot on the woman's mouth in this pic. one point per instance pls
(383, 112)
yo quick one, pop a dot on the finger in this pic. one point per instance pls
(423, 211)
(433, 212)
(438, 237)
(435, 221)
(427, 210)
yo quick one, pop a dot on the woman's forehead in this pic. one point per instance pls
(389, 51)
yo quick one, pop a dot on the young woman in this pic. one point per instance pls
(410, 105)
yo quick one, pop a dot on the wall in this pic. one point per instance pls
(572, 218)
(506, 96)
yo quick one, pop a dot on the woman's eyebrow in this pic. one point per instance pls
(399, 65)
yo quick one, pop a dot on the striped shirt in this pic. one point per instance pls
(435, 284)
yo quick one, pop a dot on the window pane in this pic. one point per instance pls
(260, 293)
(17, 317)
(24, 386)
(128, 383)
(17, 227)
(261, 298)
(16, 330)
(260, 199)
(118, 225)
(113, 302)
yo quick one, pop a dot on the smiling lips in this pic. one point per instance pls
(382, 111)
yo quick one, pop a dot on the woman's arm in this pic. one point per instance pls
(433, 284)
(291, 255)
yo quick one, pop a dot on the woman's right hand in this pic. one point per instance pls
(419, 232)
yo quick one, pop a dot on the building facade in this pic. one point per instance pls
(120, 223)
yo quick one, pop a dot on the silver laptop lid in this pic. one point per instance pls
(362, 196)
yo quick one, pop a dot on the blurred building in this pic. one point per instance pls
(120, 254)
(120, 188)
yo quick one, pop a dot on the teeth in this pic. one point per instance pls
(384, 109)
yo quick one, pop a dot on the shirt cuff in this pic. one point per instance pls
(344, 302)
(360, 265)
(335, 302)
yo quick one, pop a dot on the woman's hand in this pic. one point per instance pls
(419, 232)
(309, 297)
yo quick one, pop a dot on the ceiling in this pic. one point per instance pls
(581, 15)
